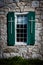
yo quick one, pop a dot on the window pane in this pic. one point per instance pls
(17, 26)
(21, 35)
(25, 30)
(25, 26)
(25, 35)
(20, 19)
(18, 35)
(24, 20)
(18, 30)
(21, 39)
(22, 28)
(17, 39)
(25, 39)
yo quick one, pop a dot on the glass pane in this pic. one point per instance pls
(24, 20)
(25, 26)
(25, 39)
(20, 19)
(18, 35)
(18, 30)
(21, 39)
(17, 26)
(21, 35)
(17, 39)
(25, 30)
(25, 35)
(22, 28)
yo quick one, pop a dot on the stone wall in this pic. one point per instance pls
(35, 51)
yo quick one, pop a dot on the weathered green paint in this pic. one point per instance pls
(10, 35)
(31, 35)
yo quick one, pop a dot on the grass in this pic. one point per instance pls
(20, 61)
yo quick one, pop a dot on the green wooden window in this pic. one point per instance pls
(22, 23)
(10, 29)
(31, 28)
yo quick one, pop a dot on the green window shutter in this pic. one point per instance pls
(31, 28)
(10, 29)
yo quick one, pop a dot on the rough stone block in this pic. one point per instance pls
(37, 38)
(14, 54)
(36, 56)
(23, 50)
(6, 55)
(36, 20)
(38, 25)
(37, 12)
(30, 50)
(37, 16)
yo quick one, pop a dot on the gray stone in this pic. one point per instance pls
(6, 55)
(36, 20)
(1, 52)
(35, 50)
(30, 50)
(23, 49)
(36, 56)
(38, 25)
(35, 3)
(4, 38)
(14, 54)
(11, 50)
(37, 16)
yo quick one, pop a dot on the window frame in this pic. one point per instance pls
(19, 43)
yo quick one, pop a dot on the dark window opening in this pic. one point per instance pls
(21, 28)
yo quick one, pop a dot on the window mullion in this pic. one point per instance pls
(23, 28)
